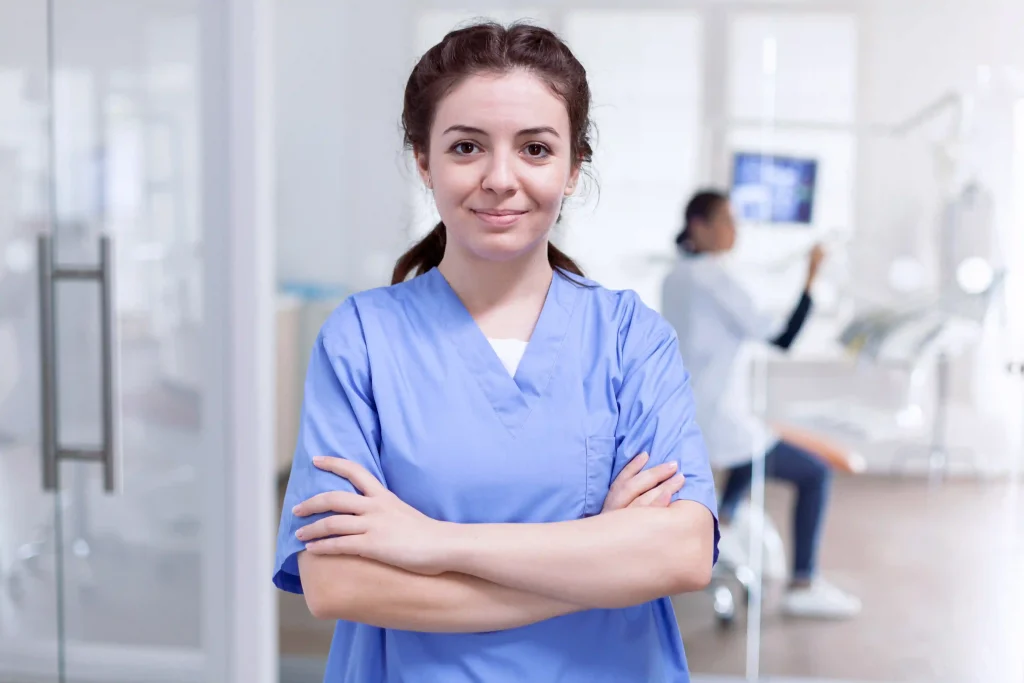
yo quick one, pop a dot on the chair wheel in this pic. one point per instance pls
(724, 606)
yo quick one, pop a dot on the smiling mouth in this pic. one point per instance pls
(498, 217)
(499, 212)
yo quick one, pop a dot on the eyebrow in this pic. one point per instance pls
(459, 128)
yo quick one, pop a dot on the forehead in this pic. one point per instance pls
(502, 103)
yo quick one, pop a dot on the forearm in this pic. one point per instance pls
(612, 560)
(368, 592)
(796, 322)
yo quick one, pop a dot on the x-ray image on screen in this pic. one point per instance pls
(773, 189)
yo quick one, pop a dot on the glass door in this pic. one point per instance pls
(128, 445)
(29, 516)
(113, 563)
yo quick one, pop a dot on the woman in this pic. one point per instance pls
(714, 317)
(468, 528)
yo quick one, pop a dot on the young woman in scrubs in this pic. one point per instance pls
(714, 317)
(464, 497)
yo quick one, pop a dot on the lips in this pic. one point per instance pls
(501, 218)
(499, 212)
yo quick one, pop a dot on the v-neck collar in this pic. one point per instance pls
(513, 398)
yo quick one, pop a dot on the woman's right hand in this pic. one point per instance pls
(814, 261)
(637, 487)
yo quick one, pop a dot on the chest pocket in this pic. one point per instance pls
(600, 459)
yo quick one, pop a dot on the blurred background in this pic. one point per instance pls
(890, 131)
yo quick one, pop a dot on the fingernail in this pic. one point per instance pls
(299, 534)
(318, 460)
(295, 510)
(673, 466)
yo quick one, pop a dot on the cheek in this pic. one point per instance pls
(546, 187)
(452, 184)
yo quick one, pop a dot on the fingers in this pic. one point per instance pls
(633, 467)
(661, 495)
(332, 501)
(647, 480)
(339, 545)
(335, 525)
(618, 495)
(358, 475)
(634, 482)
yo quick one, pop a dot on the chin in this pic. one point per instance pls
(503, 247)
(499, 253)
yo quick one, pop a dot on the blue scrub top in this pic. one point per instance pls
(405, 383)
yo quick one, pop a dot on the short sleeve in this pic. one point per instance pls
(338, 418)
(656, 409)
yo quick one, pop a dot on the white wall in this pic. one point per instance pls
(646, 74)
(342, 177)
(310, 119)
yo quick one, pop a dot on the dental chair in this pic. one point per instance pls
(921, 341)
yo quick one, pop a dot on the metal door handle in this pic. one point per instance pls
(108, 453)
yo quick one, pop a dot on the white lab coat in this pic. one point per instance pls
(716, 319)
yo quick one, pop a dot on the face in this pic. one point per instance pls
(721, 228)
(499, 165)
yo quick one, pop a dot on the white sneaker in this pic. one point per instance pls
(821, 600)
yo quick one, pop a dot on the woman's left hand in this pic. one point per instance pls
(377, 525)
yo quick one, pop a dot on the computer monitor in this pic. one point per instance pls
(774, 189)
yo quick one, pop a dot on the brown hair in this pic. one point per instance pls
(489, 47)
(702, 206)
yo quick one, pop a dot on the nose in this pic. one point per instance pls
(500, 174)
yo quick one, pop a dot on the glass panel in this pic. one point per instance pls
(29, 518)
(127, 107)
(901, 429)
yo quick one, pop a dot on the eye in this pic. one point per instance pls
(536, 150)
(464, 148)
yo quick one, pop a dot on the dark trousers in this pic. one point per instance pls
(812, 479)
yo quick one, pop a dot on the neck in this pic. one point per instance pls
(483, 285)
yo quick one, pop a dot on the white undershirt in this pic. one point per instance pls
(510, 351)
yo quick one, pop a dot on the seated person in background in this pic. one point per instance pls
(714, 317)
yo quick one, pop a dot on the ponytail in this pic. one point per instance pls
(424, 255)
(559, 260)
(428, 252)
(684, 240)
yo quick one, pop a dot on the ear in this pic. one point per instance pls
(422, 166)
(574, 177)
